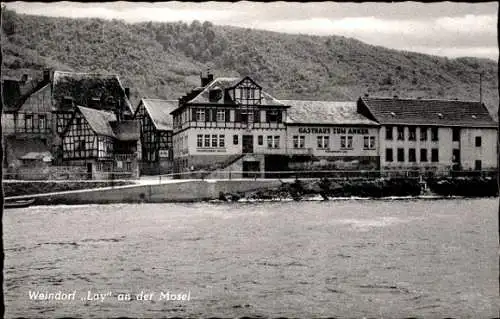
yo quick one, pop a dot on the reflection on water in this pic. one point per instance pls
(303, 259)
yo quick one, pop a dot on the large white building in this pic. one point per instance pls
(232, 124)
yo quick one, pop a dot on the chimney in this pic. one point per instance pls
(127, 93)
(207, 80)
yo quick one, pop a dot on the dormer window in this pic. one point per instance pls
(393, 114)
(247, 92)
(440, 115)
(474, 116)
(273, 116)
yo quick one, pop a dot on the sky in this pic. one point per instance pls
(444, 28)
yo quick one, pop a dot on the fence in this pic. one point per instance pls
(228, 175)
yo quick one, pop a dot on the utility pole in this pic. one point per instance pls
(481, 87)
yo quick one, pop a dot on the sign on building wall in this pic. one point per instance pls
(333, 130)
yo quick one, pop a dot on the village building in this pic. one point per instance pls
(325, 135)
(433, 135)
(35, 118)
(228, 123)
(156, 152)
(104, 145)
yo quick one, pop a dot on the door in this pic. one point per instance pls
(247, 143)
(456, 159)
(251, 169)
(89, 170)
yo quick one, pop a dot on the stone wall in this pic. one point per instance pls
(47, 173)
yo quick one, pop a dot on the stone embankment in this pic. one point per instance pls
(260, 189)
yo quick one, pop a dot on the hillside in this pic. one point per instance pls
(163, 60)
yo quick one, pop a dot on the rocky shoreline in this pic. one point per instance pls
(327, 189)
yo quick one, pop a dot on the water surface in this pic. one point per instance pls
(356, 258)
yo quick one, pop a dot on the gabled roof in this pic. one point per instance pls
(99, 120)
(228, 83)
(324, 112)
(428, 112)
(82, 87)
(159, 112)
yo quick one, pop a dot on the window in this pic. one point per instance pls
(119, 164)
(478, 141)
(368, 142)
(273, 116)
(221, 115)
(346, 141)
(295, 140)
(199, 140)
(29, 121)
(401, 154)
(235, 139)
(401, 133)
(323, 142)
(214, 140)
(276, 142)
(273, 141)
(423, 155)
(456, 134)
(423, 133)
(435, 155)
(302, 141)
(42, 122)
(477, 165)
(434, 134)
(222, 142)
(128, 166)
(260, 140)
(200, 115)
(207, 140)
(388, 155)
(412, 155)
(412, 133)
(388, 133)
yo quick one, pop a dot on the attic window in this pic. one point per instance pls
(393, 114)
(440, 115)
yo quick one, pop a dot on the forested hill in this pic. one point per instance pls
(164, 60)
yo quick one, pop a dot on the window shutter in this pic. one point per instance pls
(193, 114)
(279, 117)
(228, 112)
(207, 115)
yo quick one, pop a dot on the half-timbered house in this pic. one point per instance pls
(156, 135)
(224, 122)
(102, 143)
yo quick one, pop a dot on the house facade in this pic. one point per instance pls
(433, 135)
(105, 146)
(227, 121)
(156, 153)
(38, 112)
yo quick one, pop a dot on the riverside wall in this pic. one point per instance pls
(181, 191)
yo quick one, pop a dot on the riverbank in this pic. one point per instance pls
(264, 189)
(21, 188)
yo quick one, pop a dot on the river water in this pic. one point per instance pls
(354, 258)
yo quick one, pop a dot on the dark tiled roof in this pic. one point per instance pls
(429, 112)
(226, 83)
(324, 112)
(159, 111)
(82, 87)
(99, 120)
(126, 130)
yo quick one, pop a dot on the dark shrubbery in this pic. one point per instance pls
(464, 186)
(19, 189)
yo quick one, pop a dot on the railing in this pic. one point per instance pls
(331, 174)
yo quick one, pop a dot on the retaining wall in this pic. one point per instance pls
(181, 191)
